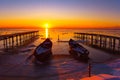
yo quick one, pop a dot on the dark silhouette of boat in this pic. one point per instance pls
(43, 52)
(78, 51)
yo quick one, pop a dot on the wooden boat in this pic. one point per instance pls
(77, 51)
(43, 52)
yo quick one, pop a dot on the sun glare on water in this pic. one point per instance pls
(46, 30)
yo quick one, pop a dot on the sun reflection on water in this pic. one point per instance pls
(46, 30)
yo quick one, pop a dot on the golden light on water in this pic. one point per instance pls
(46, 30)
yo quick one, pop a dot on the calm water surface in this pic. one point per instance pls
(65, 35)
(62, 66)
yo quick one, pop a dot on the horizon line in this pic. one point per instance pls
(60, 28)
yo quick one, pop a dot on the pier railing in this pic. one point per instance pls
(18, 39)
(106, 42)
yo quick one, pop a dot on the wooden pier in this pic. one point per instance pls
(18, 39)
(106, 42)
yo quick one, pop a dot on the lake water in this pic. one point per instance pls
(62, 66)
(65, 35)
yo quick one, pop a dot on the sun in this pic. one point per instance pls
(46, 25)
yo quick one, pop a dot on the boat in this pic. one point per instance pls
(78, 51)
(43, 52)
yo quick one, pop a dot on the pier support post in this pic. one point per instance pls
(6, 43)
(110, 43)
(105, 42)
(114, 44)
(96, 40)
(20, 40)
(100, 41)
(119, 46)
(16, 40)
(89, 68)
(58, 38)
(9, 42)
(91, 39)
(12, 41)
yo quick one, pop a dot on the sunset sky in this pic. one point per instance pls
(60, 13)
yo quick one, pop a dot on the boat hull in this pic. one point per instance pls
(44, 51)
(78, 52)
(44, 56)
(76, 56)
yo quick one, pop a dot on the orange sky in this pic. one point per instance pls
(58, 23)
(59, 14)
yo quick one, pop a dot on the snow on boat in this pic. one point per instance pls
(43, 52)
(77, 51)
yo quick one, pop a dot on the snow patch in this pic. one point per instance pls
(115, 66)
(102, 77)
